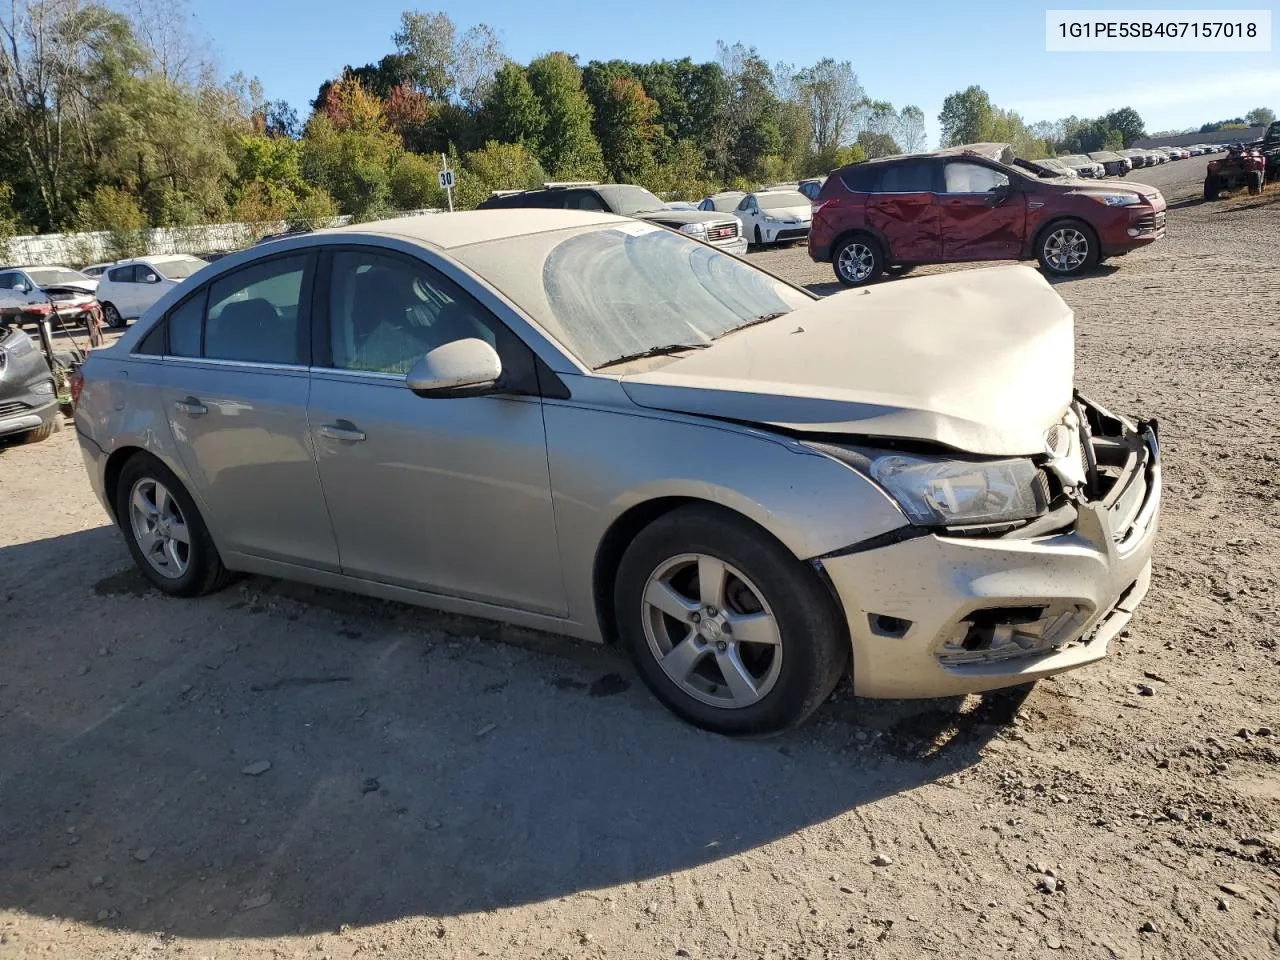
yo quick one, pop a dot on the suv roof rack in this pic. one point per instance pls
(556, 184)
(504, 193)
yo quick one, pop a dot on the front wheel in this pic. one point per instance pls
(112, 316)
(727, 628)
(1255, 181)
(1068, 248)
(858, 261)
(1211, 188)
(165, 532)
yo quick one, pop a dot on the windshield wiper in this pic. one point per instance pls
(655, 352)
(763, 318)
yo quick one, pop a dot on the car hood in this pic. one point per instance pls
(679, 218)
(1114, 187)
(82, 286)
(978, 360)
(790, 213)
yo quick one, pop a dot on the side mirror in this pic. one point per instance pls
(21, 287)
(150, 278)
(463, 368)
(998, 195)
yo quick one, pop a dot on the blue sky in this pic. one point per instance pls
(905, 52)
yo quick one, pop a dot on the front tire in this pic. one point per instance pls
(1256, 180)
(1211, 188)
(165, 532)
(112, 316)
(858, 261)
(727, 628)
(1067, 248)
(759, 239)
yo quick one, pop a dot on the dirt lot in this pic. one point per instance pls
(439, 787)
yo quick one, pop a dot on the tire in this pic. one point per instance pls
(202, 571)
(759, 239)
(777, 684)
(112, 316)
(1255, 182)
(1210, 189)
(42, 432)
(857, 261)
(1067, 248)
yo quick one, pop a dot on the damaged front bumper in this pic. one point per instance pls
(941, 614)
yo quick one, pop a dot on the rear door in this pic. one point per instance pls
(902, 208)
(235, 386)
(980, 218)
(449, 495)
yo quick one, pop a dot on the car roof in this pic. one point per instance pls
(447, 230)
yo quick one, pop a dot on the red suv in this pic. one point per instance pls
(971, 203)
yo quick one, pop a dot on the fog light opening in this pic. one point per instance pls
(884, 625)
(1001, 633)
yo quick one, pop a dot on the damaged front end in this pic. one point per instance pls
(1039, 586)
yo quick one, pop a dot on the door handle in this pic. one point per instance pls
(342, 430)
(191, 407)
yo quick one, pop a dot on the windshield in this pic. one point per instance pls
(179, 269)
(616, 291)
(726, 203)
(774, 200)
(628, 200)
(51, 276)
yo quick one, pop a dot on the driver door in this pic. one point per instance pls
(447, 495)
(981, 217)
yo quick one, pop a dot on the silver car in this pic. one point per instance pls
(601, 427)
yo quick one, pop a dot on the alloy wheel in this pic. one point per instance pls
(1066, 249)
(856, 262)
(159, 528)
(711, 631)
(112, 315)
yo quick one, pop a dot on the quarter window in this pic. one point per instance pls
(255, 314)
(385, 312)
(973, 178)
(184, 327)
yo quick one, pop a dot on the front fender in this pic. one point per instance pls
(604, 462)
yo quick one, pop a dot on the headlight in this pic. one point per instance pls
(935, 492)
(1117, 199)
(694, 229)
(769, 219)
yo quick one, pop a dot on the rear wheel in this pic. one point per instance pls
(112, 316)
(165, 532)
(1067, 248)
(727, 628)
(858, 261)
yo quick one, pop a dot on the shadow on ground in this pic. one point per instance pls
(279, 759)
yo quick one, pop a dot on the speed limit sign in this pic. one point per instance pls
(446, 179)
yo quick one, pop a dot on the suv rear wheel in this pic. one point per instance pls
(1067, 248)
(858, 261)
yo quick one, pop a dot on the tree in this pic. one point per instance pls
(628, 130)
(1260, 117)
(512, 112)
(496, 166)
(425, 40)
(878, 144)
(1129, 123)
(117, 213)
(835, 97)
(911, 129)
(748, 128)
(966, 116)
(413, 184)
(568, 148)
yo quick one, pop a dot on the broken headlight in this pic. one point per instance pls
(939, 492)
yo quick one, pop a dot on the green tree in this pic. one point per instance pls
(1129, 123)
(116, 212)
(568, 149)
(878, 144)
(512, 112)
(966, 116)
(317, 209)
(628, 130)
(911, 129)
(496, 166)
(414, 185)
(1260, 117)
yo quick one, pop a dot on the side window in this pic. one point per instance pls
(860, 179)
(706, 205)
(7, 280)
(386, 312)
(744, 203)
(145, 273)
(584, 200)
(121, 274)
(184, 326)
(972, 178)
(905, 178)
(256, 314)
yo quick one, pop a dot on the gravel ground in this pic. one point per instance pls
(276, 771)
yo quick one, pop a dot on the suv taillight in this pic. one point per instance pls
(823, 204)
(76, 381)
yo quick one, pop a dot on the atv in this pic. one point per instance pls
(1270, 150)
(1243, 166)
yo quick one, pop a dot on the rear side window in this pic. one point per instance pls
(905, 178)
(257, 314)
(860, 179)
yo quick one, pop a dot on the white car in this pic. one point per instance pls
(127, 288)
(47, 288)
(775, 216)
